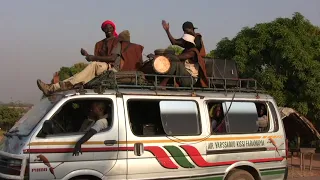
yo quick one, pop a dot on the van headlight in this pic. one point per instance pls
(14, 162)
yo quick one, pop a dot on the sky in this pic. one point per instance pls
(37, 37)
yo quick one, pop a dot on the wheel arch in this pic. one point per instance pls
(243, 165)
(82, 172)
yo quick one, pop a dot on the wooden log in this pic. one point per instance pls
(158, 65)
(161, 65)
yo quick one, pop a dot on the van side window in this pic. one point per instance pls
(78, 116)
(235, 117)
(164, 118)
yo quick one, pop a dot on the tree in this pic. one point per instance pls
(9, 115)
(177, 49)
(66, 72)
(283, 55)
(210, 54)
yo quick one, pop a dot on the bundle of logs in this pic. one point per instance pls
(159, 63)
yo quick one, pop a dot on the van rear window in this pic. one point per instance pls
(164, 118)
(238, 117)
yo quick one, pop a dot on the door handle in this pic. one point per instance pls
(110, 142)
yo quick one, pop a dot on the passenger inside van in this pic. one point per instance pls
(216, 116)
(90, 120)
(263, 121)
(99, 114)
(77, 117)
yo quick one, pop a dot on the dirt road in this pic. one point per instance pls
(306, 178)
(296, 174)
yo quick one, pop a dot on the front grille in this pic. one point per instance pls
(12, 166)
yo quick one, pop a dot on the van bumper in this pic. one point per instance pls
(286, 174)
(13, 166)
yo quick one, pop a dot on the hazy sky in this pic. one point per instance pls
(38, 37)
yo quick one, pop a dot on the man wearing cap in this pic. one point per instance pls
(103, 48)
(189, 64)
(187, 28)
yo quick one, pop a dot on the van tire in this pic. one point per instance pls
(239, 174)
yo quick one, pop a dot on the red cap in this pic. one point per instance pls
(105, 23)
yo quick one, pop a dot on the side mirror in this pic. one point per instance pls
(47, 128)
(138, 149)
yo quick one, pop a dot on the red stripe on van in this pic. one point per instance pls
(161, 156)
(157, 151)
(70, 150)
(199, 161)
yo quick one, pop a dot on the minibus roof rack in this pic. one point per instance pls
(138, 80)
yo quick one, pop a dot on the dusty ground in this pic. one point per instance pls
(296, 174)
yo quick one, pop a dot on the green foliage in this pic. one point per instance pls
(210, 54)
(177, 49)
(284, 56)
(9, 115)
(66, 72)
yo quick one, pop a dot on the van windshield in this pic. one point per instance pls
(26, 124)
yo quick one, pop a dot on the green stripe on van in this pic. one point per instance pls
(178, 156)
(274, 172)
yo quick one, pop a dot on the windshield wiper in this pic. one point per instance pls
(13, 133)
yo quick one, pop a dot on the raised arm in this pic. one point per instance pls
(173, 41)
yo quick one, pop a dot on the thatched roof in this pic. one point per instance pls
(296, 124)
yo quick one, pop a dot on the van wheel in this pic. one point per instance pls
(239, 174)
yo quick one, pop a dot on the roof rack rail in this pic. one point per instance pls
(138, 80)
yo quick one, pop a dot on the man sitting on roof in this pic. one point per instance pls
(187, 28)
(124, 56)
(189, 64)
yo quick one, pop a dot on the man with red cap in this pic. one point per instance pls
(104, 47)
(112, 53)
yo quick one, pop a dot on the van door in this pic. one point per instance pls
(51, 156)
(244, 130)
(165, 137)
